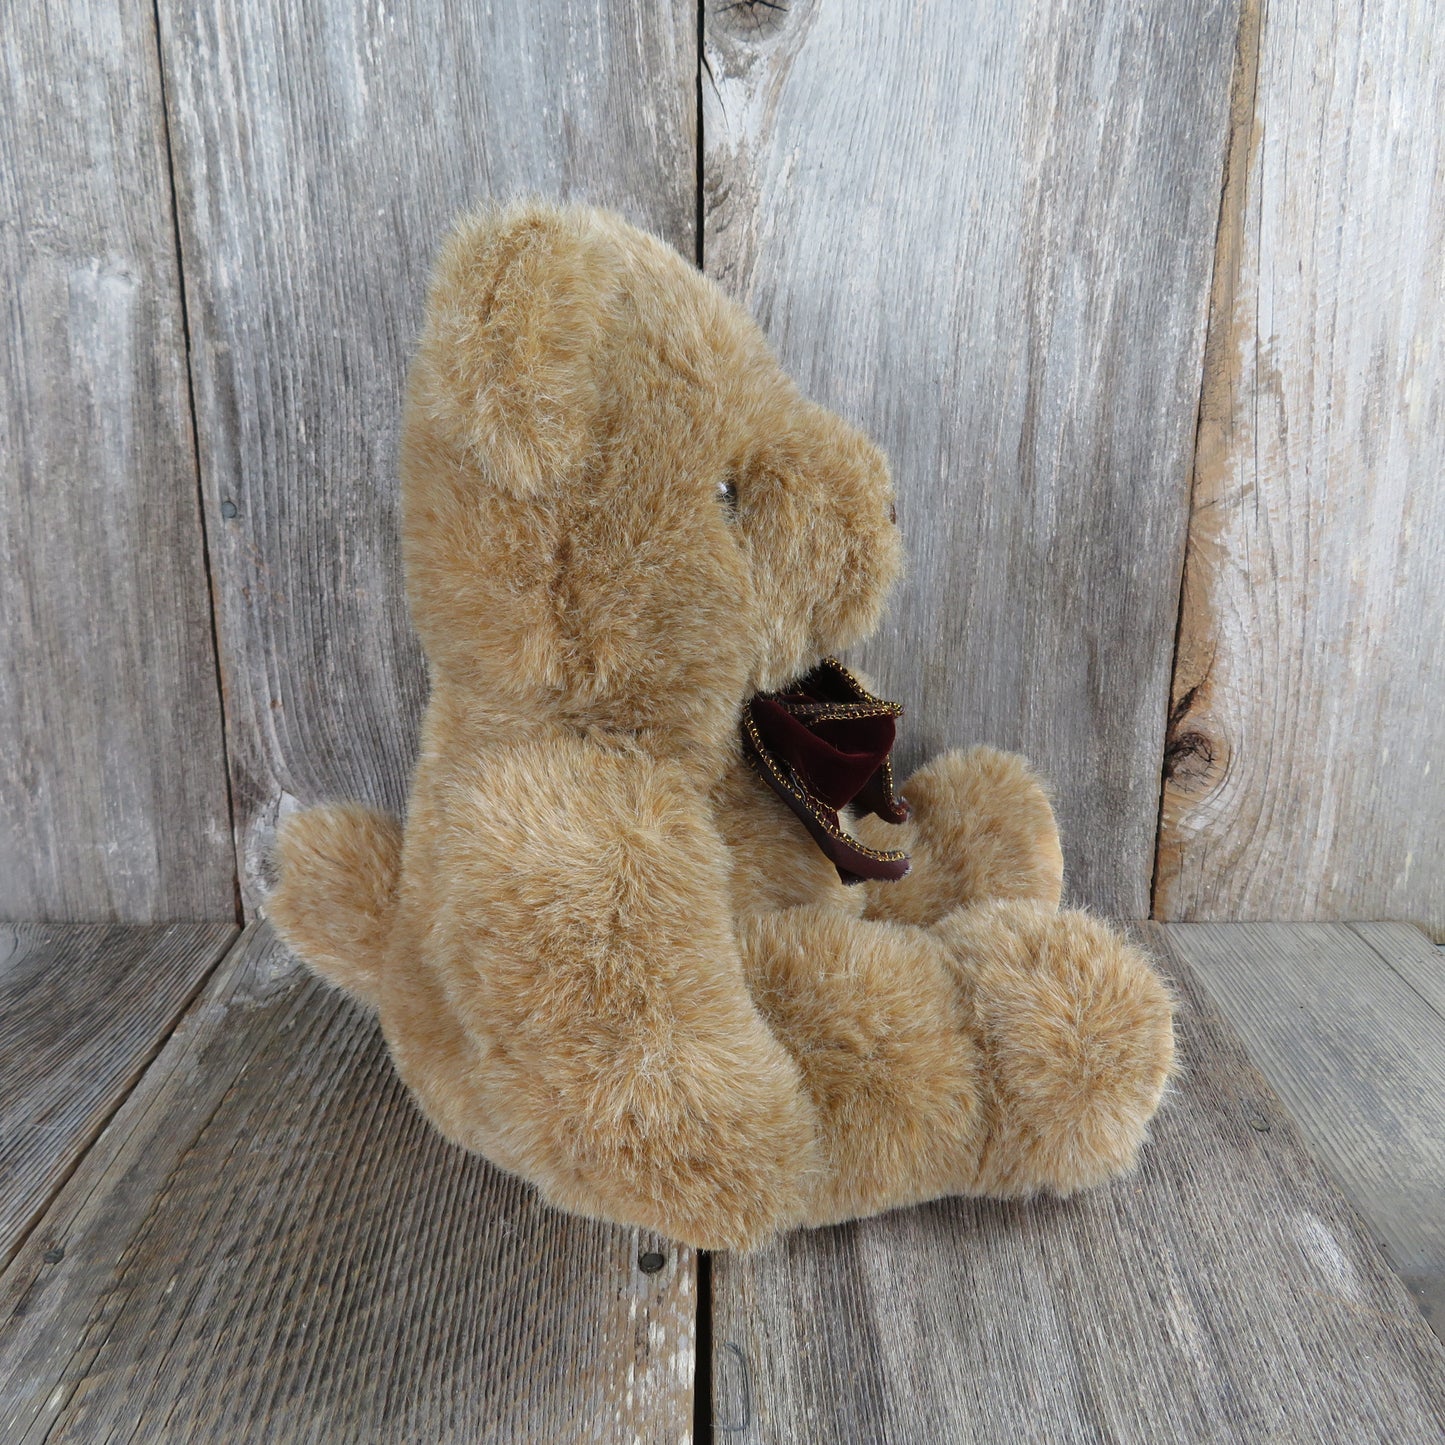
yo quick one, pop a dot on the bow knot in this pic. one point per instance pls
(821, 744)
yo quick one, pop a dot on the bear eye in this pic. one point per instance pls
(727, 494)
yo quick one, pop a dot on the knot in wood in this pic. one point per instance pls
(752, 19)
(1189, 760)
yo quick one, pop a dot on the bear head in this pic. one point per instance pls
(620, 514)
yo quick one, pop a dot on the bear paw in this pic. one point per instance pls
(1076, 1029)
(982, 829)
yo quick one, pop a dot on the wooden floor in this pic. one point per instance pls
(235, 1227)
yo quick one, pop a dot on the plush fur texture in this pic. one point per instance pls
(604, 954)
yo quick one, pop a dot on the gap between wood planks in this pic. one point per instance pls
(240, 911)
(1233, 191)
(73, 1044)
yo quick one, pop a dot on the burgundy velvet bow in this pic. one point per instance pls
(821, 744)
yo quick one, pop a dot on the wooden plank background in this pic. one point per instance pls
(112, 775)
(986, 233)
(320, 153)
(1307, 755)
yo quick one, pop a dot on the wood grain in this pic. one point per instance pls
(985, 233)
(1410, 954)
(1225, 1293)
(112, 772)
(1306, 753)
(1358, 1057)
(320, 153)
(270, 1243)
(83, 1010)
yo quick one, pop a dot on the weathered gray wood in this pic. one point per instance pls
(1226, 1293)
(985, 233)
(112, 772)
(1307, 749)
(1358, 1056)
(320, 152)
(83, 1010)
(1411, 954)
(270, 1243)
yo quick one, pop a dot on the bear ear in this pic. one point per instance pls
(520, 305)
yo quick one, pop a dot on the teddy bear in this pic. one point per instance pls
(660, 933)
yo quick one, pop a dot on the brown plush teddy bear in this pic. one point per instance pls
(614, 949)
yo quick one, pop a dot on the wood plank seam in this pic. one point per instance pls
(205, 532)
(102, 1123)
(699, 220)
(1425, 1000)
(77, 1051)
(702, 1417)
(1233, 188)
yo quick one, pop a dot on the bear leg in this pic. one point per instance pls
(872, 1015)
(1010, 1050)
(1076, 1032)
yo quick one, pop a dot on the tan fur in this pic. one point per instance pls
(981, 829)
(340, 865)
(607, 957)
